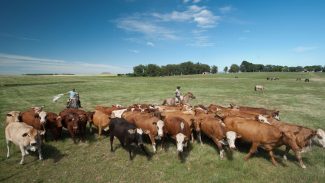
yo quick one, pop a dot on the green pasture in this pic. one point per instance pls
(299, 102)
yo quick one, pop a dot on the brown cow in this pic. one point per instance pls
(187, 117)
(253, 110)
(108, 110)
(179, 130)
(36, 120)
(215, 108)
(101, 120)
(71, 122)
(148, 122)
(81, 120)
(260, 134)
(54, 124)
(212, 127)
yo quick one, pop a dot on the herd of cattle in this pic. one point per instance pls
(258, 126)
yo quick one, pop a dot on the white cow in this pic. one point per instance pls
(117, 113)
(259, 88)
(12, 116)
(24, 136)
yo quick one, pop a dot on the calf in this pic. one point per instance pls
(24, 136)
(126, 133)
(212, 127)
(260, 134)
(179, 130)
(12, 116)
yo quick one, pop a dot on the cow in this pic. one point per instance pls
(54, 125)
(179, 130)
(186, 116)
(118, 113)
(319, 140)
(213, 108)
(149, 122)
(101, 120)
(256, 111)
(307, 80)
(108, 110)
(212, 127)
(24, 136)
(77, 116)
(127, 134)
(259, 88)
(34, 119)
(303, 136)
(260, 134)
(12, 116)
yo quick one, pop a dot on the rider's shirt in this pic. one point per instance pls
(72, 94)
(177, 93)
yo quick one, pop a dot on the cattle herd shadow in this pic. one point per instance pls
(51, 152)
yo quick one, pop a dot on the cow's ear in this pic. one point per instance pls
(25, 134)
(9, 115)
(131, 131)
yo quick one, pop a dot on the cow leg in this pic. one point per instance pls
(22, 150)
(39, 149)
(251, 151)
(153, 142)
(199, 137)
(111, 140)
(99, 131)
(286, 152)
(192, 137)
(130, 151)
(90, 128)
(298, 156)
(8, 148)
(219, 145)
(272, 158)
(72, 135)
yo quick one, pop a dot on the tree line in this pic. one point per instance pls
(185, 68)
(188, 68)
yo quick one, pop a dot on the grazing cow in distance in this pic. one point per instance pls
(24, 136)
(127, 134)
(260, 134)
(12, 116)
(298, 79)
(307, 80)
(259, 88)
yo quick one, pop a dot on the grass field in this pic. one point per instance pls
(299, 102)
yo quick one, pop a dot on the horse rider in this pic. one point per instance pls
(73, 95)
(178, 94)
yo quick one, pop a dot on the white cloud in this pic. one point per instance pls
(18, 64)
(186, 1)
(203, 17)
(196, 1)
(149, 29)
(226, 9)
(247, 31)
(301, 49)
(200, 40)
(150, 44)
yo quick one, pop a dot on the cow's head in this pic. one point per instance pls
(231, 138)
(319, 138)
(181, 141)
(13, 116)
(42, 116)
(160, 127)
(276, 115)
(37, 109)
(30, 138)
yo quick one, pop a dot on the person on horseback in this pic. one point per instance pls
(178, 94)
(73, 95)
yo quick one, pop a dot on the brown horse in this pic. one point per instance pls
(184, 99)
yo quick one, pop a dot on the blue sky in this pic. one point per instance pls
(88, 37)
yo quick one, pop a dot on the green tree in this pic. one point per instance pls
(234, 68)
(139, 70)
(214, 69)
(153, 70)
(225, 69)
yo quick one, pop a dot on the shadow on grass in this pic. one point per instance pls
(51, 152)
(135, 150)
(209, 141)
(8, 177)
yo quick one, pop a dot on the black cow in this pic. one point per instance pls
(127, 134)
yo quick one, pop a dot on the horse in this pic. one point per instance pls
(184, 99)
(74, 103)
